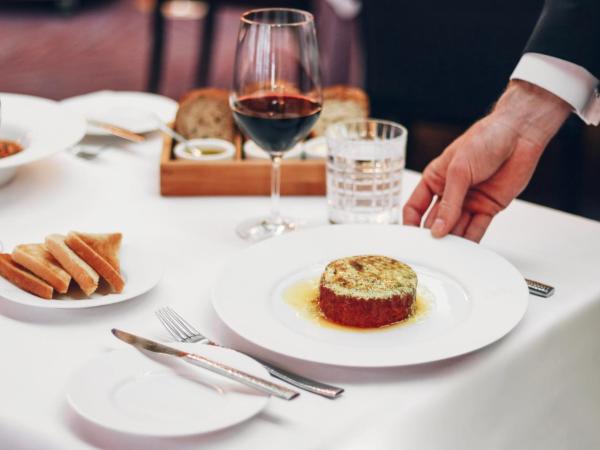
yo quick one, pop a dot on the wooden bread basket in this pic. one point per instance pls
(237, 176)
(253, 177)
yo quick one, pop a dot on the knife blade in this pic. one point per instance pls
(117, 131)
(208, 364)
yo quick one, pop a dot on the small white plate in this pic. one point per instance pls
(130, 110)
(157, 395)
(140, 269)
(43, 127)
(473, 296)
(253, 151)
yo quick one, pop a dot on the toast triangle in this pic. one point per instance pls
(20, 277)
(107, 245)
(86, 277)
(98, 250)
(39, 261)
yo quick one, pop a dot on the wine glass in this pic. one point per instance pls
(276, 96)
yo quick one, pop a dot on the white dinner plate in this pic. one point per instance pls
(472, 296)
(130, 110)
(43, 127)
(140, 269)
(157, 395)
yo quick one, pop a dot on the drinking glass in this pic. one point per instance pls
(276, 96)
(365, 162)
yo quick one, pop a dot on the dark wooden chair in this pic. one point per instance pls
(205, 57)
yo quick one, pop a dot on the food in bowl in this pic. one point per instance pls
(9, 148)
(367, 291)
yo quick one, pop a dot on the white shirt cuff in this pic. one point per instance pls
(572, 83)
(346, 9)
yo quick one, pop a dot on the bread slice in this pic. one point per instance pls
(39, 261)
(205, 113)
(20, 277)
(86, 277)
(108, 245)
(341, 103)
(101, 251)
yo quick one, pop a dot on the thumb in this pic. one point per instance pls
(458, 181)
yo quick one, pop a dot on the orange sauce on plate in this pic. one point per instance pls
(303, 297)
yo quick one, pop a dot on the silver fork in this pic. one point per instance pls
(87, 151)
(183, 331)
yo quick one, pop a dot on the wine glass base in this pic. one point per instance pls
(257, 229)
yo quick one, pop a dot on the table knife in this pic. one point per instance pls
(117, 131)
(539, 289)
(208, 364)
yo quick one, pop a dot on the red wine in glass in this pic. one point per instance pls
(276, 122)
(276, 96)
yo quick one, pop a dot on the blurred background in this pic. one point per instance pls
(433, 65)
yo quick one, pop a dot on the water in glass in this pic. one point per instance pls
(364, 171)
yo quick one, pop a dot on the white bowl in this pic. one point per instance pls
(7, 174)
(253, 151)
(43, 127)
(316, 148)
(226, 148)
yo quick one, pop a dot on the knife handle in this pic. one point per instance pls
(241, 377)
(539, 289)
(316, 387)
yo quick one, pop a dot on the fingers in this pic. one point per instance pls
(417, 204)
(477, 227)
(432, 214)
(461, 226)
(458, 181)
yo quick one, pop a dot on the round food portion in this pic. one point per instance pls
(367, 291)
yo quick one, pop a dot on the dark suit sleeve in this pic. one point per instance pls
(569, 30)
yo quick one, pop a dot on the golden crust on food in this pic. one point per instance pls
(94, 250)
(369, 277)
(86, 277)
(38, 260)
(20, 277)
(367, 291)
(106, 244)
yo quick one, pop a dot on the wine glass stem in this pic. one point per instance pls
(275, 187)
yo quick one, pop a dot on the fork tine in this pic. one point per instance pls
(174, 331)
(184, 323)
(165, 324)
(178, 329)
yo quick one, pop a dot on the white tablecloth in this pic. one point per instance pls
(536, 388)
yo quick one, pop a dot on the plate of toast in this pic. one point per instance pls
(77, 270)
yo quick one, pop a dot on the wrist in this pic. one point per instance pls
(534, 113)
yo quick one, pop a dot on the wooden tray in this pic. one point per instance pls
(237, 177)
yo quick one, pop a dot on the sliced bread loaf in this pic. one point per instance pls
(341, 103)
(205, 113)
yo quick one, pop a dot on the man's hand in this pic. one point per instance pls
(483, 170)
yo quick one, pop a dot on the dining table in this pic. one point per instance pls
(535, 388)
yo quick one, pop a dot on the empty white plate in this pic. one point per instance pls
(134, 111)
(472, 296)
(158, 395)
(140, 269)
